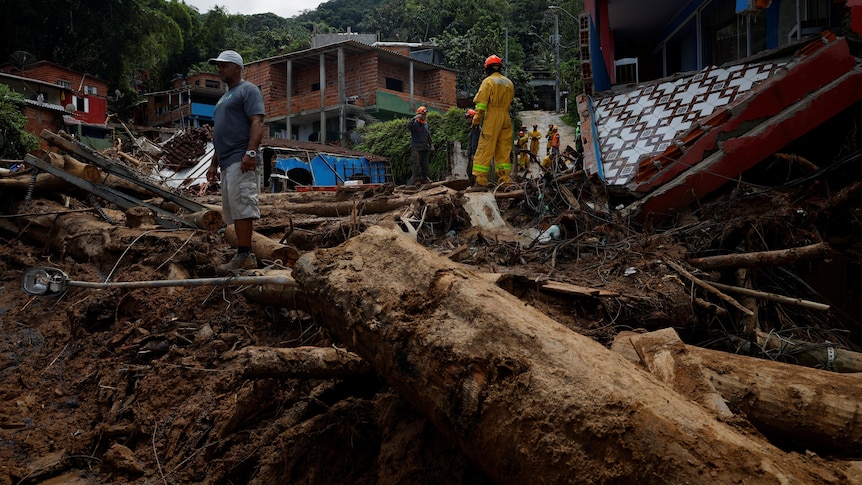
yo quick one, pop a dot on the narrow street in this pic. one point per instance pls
(543, 119)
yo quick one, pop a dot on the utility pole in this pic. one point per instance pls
(557, 61)
(506, 55)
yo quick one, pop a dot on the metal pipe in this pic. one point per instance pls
(225, 281)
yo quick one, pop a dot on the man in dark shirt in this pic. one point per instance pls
(420, 144)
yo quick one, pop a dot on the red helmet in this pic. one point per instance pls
(470, 113)
(493, 59)
(421, 110)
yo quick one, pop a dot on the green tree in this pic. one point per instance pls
(14, 141)
(467, 53)
(392, 140)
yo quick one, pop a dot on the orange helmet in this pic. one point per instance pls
(470, 113)
(493, 59)
(421, 110)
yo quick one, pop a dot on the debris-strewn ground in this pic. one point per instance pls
(141, 385)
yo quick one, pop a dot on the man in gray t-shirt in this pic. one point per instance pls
(237, 132)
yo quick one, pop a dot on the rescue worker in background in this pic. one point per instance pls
(548, 136)
(555, 142)
(421, 145)
(523, 153)
(492, 113)
(472, 143)
(534, 136)
(579, 143)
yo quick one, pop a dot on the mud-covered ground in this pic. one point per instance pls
(117, 386)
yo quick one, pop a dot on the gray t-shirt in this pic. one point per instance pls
(231, 121)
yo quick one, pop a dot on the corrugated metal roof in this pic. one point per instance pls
(308, 146)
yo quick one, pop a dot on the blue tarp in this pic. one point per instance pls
(328, 169)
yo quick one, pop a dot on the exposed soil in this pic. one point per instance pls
(118, 386)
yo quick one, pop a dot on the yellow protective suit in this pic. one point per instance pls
(523, 155)
(534, 137)
(492, 111)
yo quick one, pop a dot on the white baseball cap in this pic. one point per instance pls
(227, 56)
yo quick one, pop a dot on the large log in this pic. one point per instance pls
(438, 196)
(208, 220)
(265, 248)
(665, 355)
(801, 407)
(528, 400)
(820, 355)
(87, 238)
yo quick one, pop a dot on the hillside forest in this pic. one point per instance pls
(138, 46)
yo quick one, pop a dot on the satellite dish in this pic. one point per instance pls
(21, 59)
(70, 108)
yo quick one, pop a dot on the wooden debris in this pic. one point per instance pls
(299, 362)
(560, 287)
(773, 297)
(708, 287)
(763, 258)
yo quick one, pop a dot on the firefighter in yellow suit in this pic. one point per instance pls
(534, 136)
(492, 113)
(523, 152)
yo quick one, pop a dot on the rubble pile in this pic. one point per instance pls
(186, 148)
(433, 334)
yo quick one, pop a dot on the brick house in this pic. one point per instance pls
(58, 98)
(318, 94)
(188, 103)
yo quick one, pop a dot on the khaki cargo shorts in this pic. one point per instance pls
(240, 193)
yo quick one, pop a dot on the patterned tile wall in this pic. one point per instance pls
(645, 120)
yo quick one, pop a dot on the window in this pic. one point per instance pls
(210, 83)
(64, 84)
(395, 84)
(315, 87)
(730, 36)
(81, 104)
(91, 90)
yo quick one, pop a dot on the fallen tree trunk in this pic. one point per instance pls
(86, 238)
(376, 205)
(665, 355)
(818, 355)
(45, 182)
(806, 408)
(809, 408)
(528, 400)
(763, 258)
